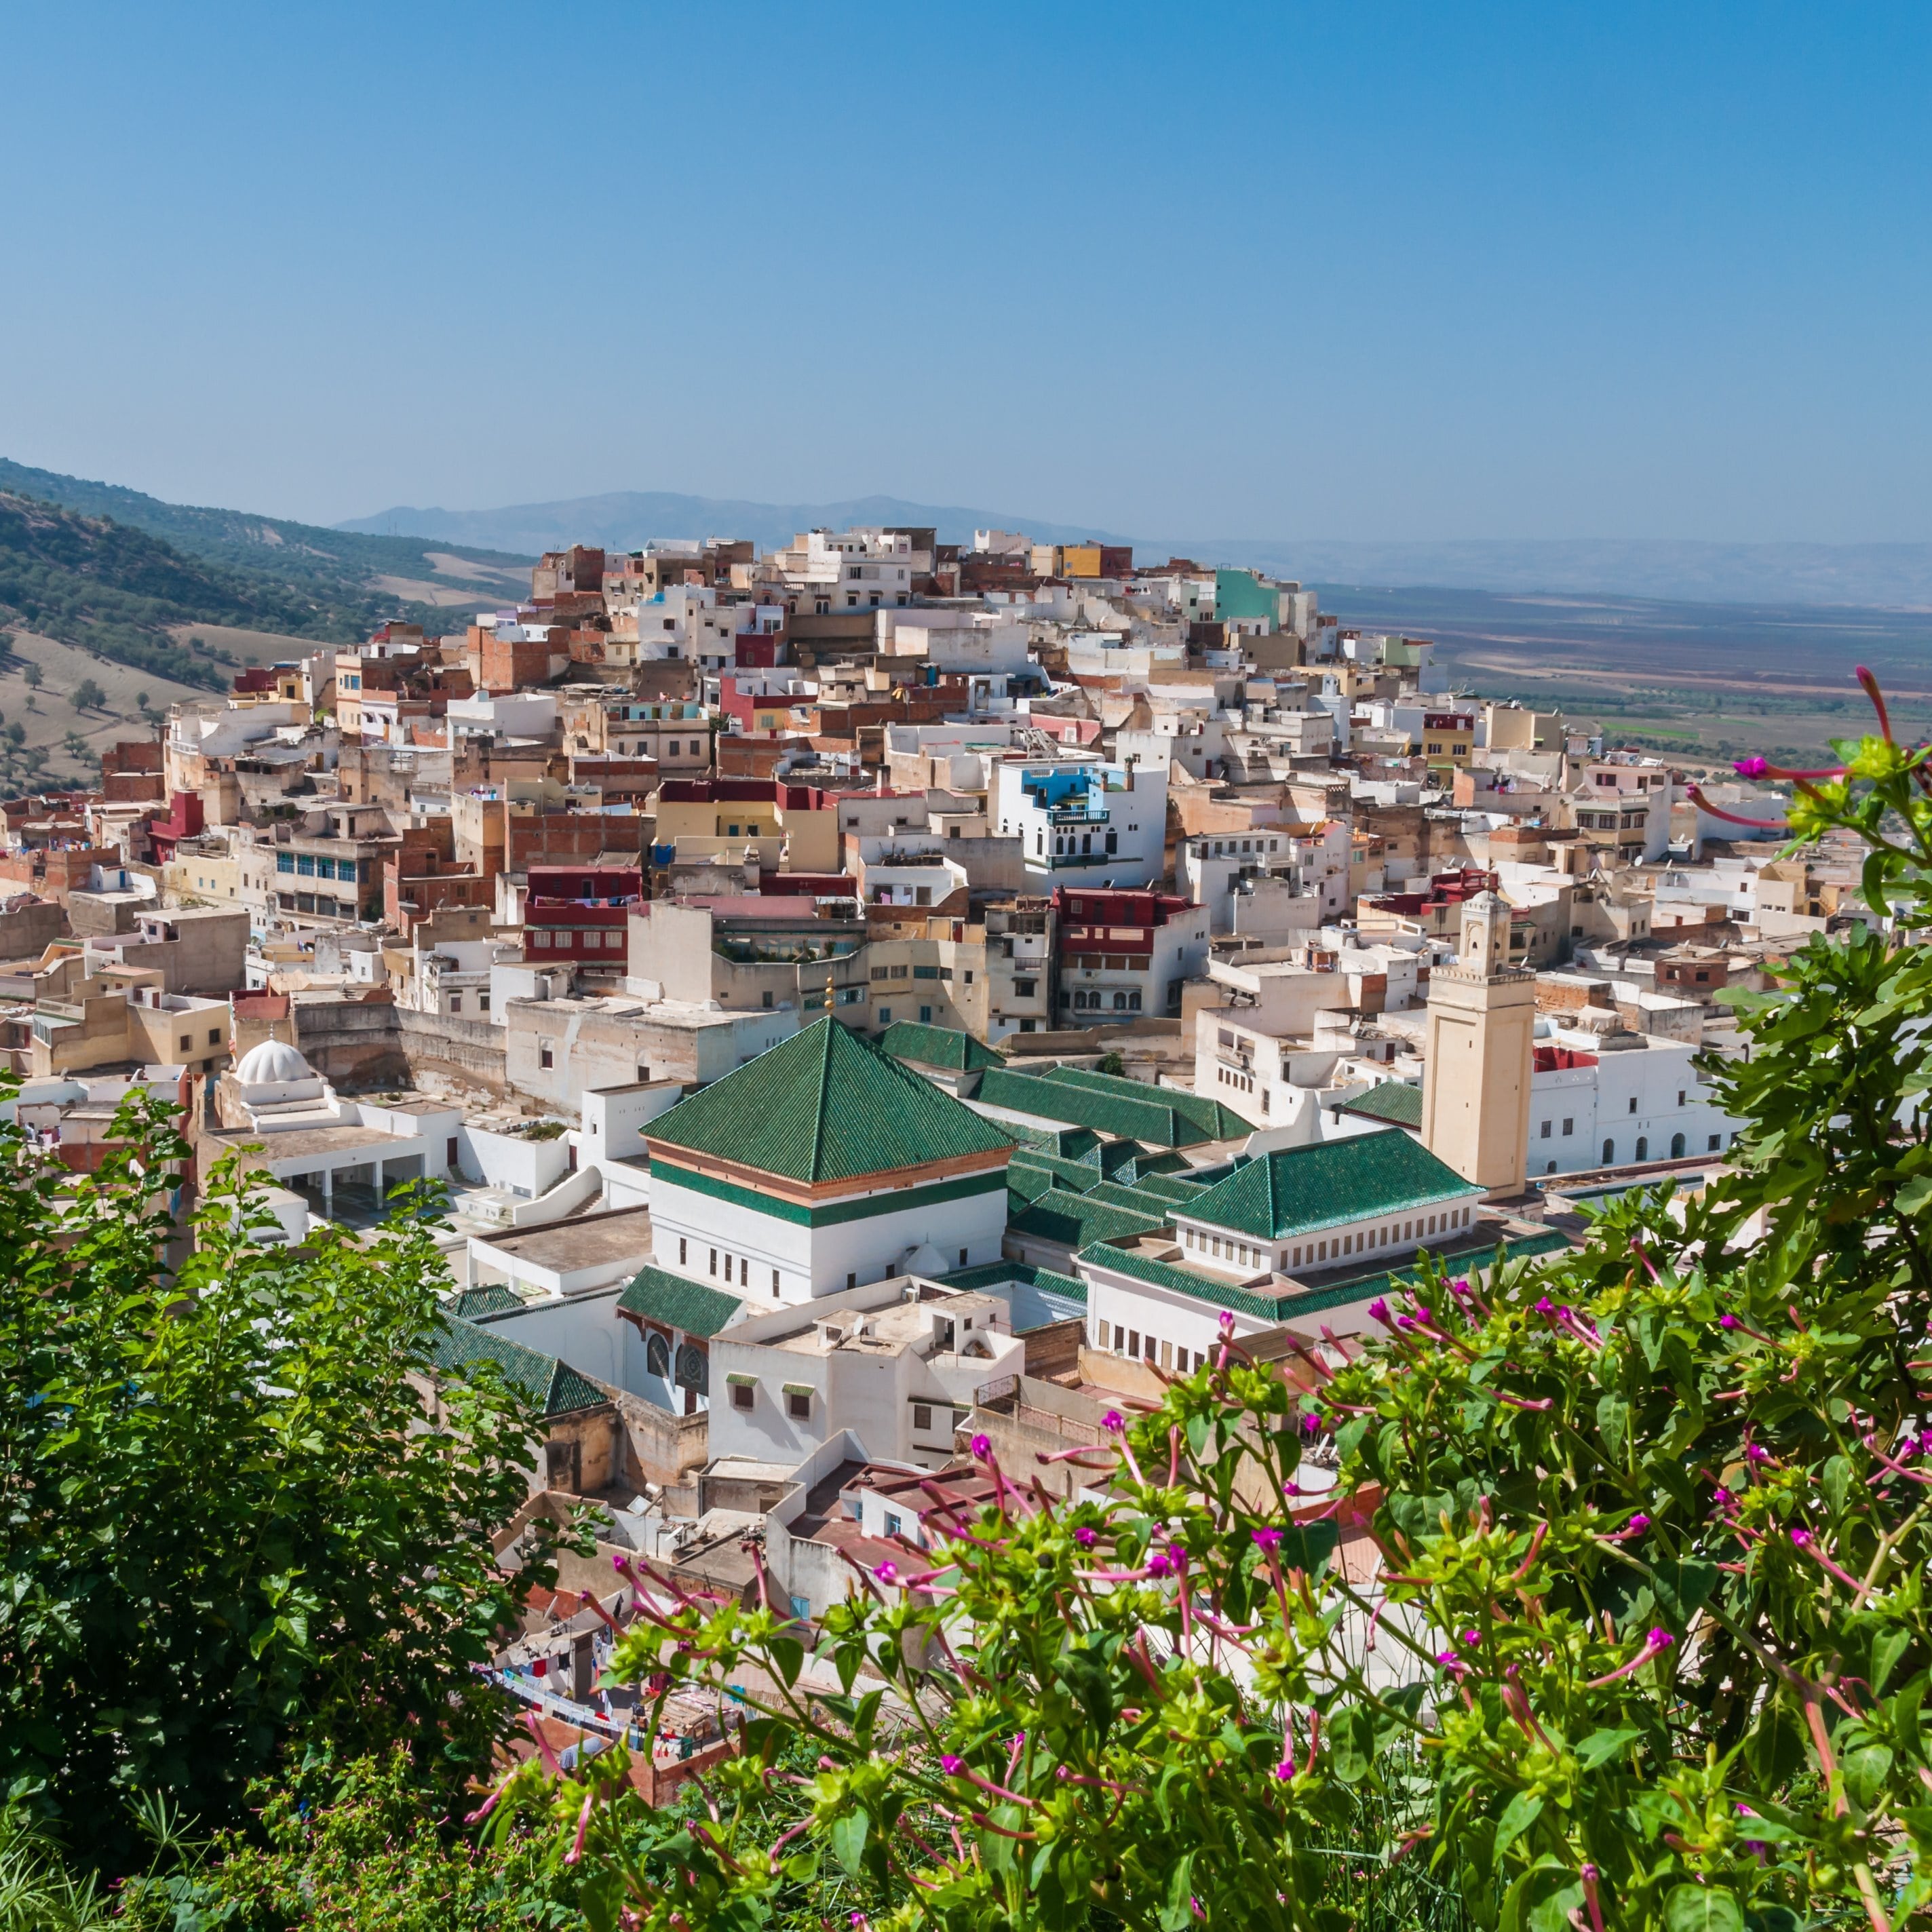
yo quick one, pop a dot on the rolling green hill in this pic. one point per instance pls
(120, 574)
(341, 569)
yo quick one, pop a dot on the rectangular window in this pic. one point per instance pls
(1569, 1127)
(305, 864)
(922, 1418)
(680, 1251)
(714, 1261)
(798, 1405)
(215, 1036)
(741, 1395)
(285, 861)
(1133, 1341)
(544, 1057)
(1545, 1129)
(456, 1002)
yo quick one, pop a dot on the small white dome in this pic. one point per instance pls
(273, 1064)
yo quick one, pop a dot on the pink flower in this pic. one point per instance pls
(1460, 1285)
(982, 1446)
(1226, 1323)
(1639, 1522)
(1113, 1422)
(1378, 1311)
(1268, 1539)
(1751, 768)
(1286, 1769)
(887, 1572)
(1727, 1322)
(1756, 1452)
(1801, 1537)
(1544, 1306)
(1085, 1537)
(1658, 1641)
(1311, 1423)
(1159, 1566)
(1720, 1496)
(1472, 1638)
(952, 1766)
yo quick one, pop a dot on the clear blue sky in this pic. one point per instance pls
(1388, 270)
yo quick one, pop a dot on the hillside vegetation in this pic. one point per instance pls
(336, 568)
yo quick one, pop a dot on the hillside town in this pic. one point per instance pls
(878, 994)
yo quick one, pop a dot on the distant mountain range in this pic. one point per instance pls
(1886, 575)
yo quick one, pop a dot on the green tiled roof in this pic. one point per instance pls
(1183, 1281)
(826, 1105)
(1170, 1187)
(1142, 1201)
(1074, 1220)
(1299, 1190)
(493, 1299)
(990, 1274)
(658, 1295)
(554, 1387)
(1392, 1100)
(1065, 1143)
(1169, 1163)
(1314, 1301)
(1474, 1255)
(1141, 1117)
(1075, 1174)
(1216, 1123)
(938, 1046)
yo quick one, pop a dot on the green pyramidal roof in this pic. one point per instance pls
(825, 1105)
(1296, 1189)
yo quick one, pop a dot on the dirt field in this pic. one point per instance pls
(1722, 680)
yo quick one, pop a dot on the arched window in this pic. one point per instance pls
(693, 1370)
(1609, 1153)
(1643, 1147)
(1676, 1147)
(657, 1357)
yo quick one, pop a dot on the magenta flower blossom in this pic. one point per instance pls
(1085, 1537)
(982, 1446)
(1544, 1306)
(1659, 1641)
(1378, 1311)
(1727, 1322)
(887, 1572)
(1113, 1422)
(1460, 1285)
(1720, 1496)
(1268, 1539)
(1639, 1522)
(1756, 1452)
(1226, 1323)
(1311, 1423)
(1751, 768)
(1286, 1769)
(1158, 1565)
(1471, 1638)
(952, 1766)
(1801, 1537)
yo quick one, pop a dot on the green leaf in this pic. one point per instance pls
(1351, 1738)
(1682, 1586)
(1522, 1812)
(1838, 1482)
(1086, 1679)
(848, 1840)
(1599, 1747)
(1702, 1908)
(1891, 1643)
(1613, 1419)
(788, 1654)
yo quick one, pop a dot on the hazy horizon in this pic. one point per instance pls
(1502, 273)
